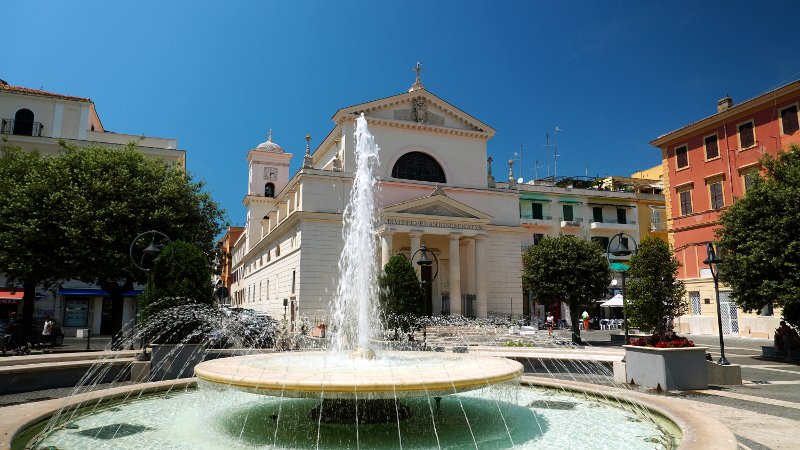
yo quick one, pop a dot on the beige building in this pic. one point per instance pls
(434, 189)
(36, 120)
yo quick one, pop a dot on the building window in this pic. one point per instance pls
(767, 310)
(597, 214)
(686, 202)
(568, 214)
(789, 122)
(278, 250)
(715, 189)
(749, 178)
(747, 135)
(712, 147)
(682, 156)
(694, 297)
(536, 211)
(76, 311)
(537, 237)
(622, 215)
(269, 190)
(23, 122)
(418, 166)
(602, 241)
(656, 216)
(294, 279)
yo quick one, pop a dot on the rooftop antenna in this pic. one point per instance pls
(536, 167)
(547, 144)
(587, 171)
(518, 156)
(555, 152)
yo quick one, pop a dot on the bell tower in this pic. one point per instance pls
(268, 169)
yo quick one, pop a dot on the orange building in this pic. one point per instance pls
(708, 164)
(226, 244)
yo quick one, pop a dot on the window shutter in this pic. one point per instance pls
(712, 147)
(746, 137)
(789, 118)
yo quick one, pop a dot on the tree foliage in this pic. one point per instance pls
(33, 245)
(74, 215)
(566, 268)
(401, 294)
(653, 291)
(760, 240)
(181, 276)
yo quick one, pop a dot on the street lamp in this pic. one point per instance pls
(152, 251)
(712, 260)
(619, 248)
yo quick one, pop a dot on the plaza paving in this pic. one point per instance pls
(764, 412)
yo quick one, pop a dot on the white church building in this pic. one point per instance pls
(434, 189)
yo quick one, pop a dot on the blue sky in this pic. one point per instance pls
(218, 75)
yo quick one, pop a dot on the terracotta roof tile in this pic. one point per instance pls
(29, 91)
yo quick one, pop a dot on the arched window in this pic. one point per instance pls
(23, 122)
(269, 190)
(418, 166)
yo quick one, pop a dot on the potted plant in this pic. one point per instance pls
(674, 363)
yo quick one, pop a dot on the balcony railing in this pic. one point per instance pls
(658, 226)
(574, 222)
(626, 222)
(21, 127)
(530, 217)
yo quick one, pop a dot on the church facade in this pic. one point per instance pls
(434, 190)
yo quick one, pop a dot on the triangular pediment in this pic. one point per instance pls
(436, 205)
(419, 107)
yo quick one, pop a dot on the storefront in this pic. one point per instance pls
(9, 302)
(93, 309)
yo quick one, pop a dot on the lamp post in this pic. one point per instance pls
(423, 262)
(618, 249)
(712, 260)
(152, 251)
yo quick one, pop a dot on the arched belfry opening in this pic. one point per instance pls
(418, 166)
(269, 190)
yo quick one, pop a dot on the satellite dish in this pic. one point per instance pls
(519, 180)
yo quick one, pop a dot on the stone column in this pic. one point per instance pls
(455, 275)
(386, 247)
(481, 291)
(414, 237)
(469, 259)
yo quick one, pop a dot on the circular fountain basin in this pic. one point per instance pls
(334, 375)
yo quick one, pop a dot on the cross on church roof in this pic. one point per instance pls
(418, 82)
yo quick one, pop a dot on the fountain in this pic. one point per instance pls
(354, 394)
(352, 370)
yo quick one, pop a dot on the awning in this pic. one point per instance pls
(9, 298)
(620, 266)
(615, 302)
(97, 292)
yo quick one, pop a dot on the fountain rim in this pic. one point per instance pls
(698, 430)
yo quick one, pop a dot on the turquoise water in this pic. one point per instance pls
(492, 418)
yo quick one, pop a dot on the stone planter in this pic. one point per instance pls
(173, 361)
(667, 368)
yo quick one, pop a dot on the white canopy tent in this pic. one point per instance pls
(616, 301)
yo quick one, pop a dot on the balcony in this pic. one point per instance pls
(575, 222)
(543, 222)
(21, 127)
(613, 225)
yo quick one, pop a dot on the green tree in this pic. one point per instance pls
(401, 294)
(653, 291)
(760, 241)
(566, 268)
(33, 244)
(117, 193)
(181, 276)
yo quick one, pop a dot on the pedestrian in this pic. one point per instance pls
(550, 321)
(585, 318)
(47, 332)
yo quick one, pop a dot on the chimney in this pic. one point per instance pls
(724, 104)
